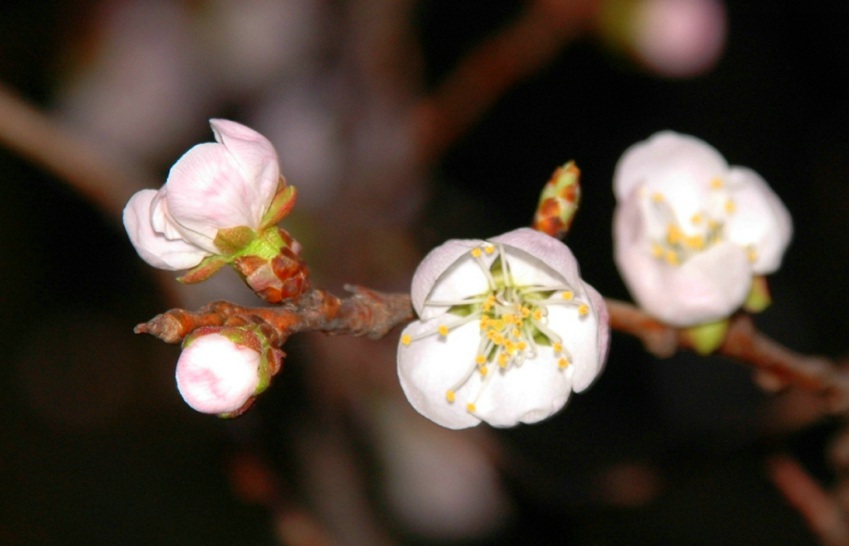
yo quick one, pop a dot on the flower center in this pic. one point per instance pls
(675, 241)
(513, 321)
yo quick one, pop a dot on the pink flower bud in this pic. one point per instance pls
(679, 38)
(216, 185)
(216, 374)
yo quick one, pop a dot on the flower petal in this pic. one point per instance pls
(215, 375)
(558, 261)
(670, 163)
(432, 365)
(256, 158)
(760, 219)
(446, 275)
(526, 394)
(206, 191)
(153, 247)
(588, 365)
(708, 286)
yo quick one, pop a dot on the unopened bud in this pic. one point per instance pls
(222, 369)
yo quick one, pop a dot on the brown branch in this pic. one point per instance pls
(365, 313)
(817, 506)
(372, 314)
(745, 344)
(105, 182)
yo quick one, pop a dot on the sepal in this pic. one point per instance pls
(759, 297)
(281, 205)
(706, 338)
(204, 270)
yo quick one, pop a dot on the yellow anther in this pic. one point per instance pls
(509, 318)
(443, 330)
(672, 258)
(526, 312)
(583, 309)
(480, 360)
(713, 224)
(696, 242)
(753, 255)
(470, 407)
(717, 184)
(656, 250)
(515, 332)
(657, 197)
(489, 249)
(502, 360)
(476, 252)
(568, 295)
(406, 339)
(562, 363)
(557, 347)
(696, 219)
(450, 396)
(537, 314)
(483, 370)
(674, 235)
(730, 206)
(521, 345)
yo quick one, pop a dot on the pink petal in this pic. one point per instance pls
(760, 219)
(669, 163)
(153, 247)
(707, 287)
(257, 160)
(207, 191)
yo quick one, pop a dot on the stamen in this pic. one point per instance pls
(583, 309)
(406, 339)
(716, 184)
(730, 206)
(450, 395)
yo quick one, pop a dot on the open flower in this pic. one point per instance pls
(506, 331)
(222, 369)
(226, 184)
(690, 232)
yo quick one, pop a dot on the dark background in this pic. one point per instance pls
(97, 448)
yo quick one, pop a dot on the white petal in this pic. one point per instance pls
(153, 247)
(530, 247)
(669, 163)
(709, 286)
(206, 191)
(760, 219)
(257, 160)
(588, 364)
(447, 273)
(430, 366)
(526, 394)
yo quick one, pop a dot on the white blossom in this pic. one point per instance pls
(215, 185)
(217, 375)
(506, 331)
(690, 232)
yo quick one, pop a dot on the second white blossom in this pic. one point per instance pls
(690, 232)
